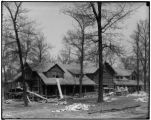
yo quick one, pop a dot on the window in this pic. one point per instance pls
(133, 78)
(56, 75)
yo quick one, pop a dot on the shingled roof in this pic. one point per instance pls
(42, 67)
(123, 72)
(68, 70)
(66, 81)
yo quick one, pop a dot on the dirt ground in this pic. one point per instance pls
(97, 111)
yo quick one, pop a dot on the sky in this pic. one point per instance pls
(54, 24)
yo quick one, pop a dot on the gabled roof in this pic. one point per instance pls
(68, 69)
(43, 67)
(123, 72)
(90, 69)
(93, 68)
(66, 81)
(57, 66)
(73, 68)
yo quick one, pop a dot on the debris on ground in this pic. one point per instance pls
(90, 95)
(141, 94)
(75, 107)
(37, 95)
(9, 101)
(142, 99)
(61, 103)
(8, 115)
(111, 93)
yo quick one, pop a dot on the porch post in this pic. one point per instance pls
(64, 90)
(85, 90)
(46, 90)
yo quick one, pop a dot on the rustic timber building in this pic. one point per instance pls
(127, 78)
(108, 75)
(42, 78)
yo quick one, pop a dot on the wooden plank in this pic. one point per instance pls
(28, 99)
(37, 95)
(59, 88)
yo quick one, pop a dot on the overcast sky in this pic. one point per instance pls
(55, 24)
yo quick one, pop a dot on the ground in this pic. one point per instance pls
(120, 107)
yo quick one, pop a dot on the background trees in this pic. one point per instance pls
(15, 14)
(21, 42)
(141, 48)
(108, 19)
(78, 37)
(40, 50)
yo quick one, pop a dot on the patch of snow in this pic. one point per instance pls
(7, 115)
(142, 99)
(141, 94)
(75, 107)
(9, 101)
(111, 93)
(105, 98)
(61, 103)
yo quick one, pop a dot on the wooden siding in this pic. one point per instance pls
(55, 72)
(107, 79)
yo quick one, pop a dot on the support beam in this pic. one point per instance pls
(59, 88)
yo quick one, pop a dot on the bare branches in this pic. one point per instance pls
(17, 8)
(141, 47)
(94, 10)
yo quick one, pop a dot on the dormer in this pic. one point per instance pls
(55, 72)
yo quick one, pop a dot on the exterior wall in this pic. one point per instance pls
(36, 84)
(133, 76)
(107, 79)
(55, 72)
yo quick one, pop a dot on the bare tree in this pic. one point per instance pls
(98, 19)
(141, 47)
(129, 62)
(107, 18)
(15, 11)
(65, 55)
(79, 49)
(40, 50)
(78, 39)
(28, 35)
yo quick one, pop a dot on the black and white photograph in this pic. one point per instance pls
(75, 60)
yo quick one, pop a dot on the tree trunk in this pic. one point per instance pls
(22, 65)
(145, 68)
(148, 88)
(144, 77)
(81, 64)
(3, 84)
(100, 88)
(137, 44)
